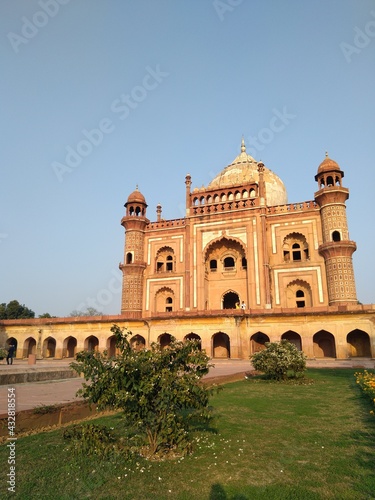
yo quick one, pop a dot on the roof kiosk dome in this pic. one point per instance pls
(136, 197)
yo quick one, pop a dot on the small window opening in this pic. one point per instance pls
(129, 258)
(169, 300)
(228, 263)
(159, 267)
(213, 265)
(169, 263)
(244, 263)
(336, 236)
(296, 251)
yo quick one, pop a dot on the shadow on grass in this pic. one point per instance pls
(269, 492)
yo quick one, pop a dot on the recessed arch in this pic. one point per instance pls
(324, 345)
(258, 341)
(49, 347)
(69, 347)
(29, 347)
(164, 340)
(230, 299)
(194, 336)
(111, 346)
(91, 343)
(220, 345)
(293, 338)
(12, 341)
(138, 343)
(359, 344)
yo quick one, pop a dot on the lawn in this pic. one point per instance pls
(269, 441)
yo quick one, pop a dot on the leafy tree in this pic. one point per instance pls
(46, 315)
(14, 310)
(158, 390)
(280, 360)
(89, 311)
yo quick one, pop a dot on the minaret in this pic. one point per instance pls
(135, 223)
(337, 249)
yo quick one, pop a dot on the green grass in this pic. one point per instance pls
(273, 441)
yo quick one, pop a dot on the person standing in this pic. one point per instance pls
(10, 355)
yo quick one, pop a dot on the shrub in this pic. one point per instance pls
(90, 439)
(366, 381)
(280, 360)
(158, 390)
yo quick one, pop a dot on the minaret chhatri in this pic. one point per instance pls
(135, 223)
(337, 249)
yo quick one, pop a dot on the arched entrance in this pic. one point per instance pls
(12, 341)
(49, 347)
(220, 345)
(69, 347)
(138, 343)
(111, 346)
(91, 343)
(194, 336)
(293, 338)
(164, 340)
(257, 342)
(358, 344)
(230, 299)
(324, 345)
(29, 347)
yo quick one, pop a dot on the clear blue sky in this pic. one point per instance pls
(200, 74)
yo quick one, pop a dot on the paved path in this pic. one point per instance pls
(33, 394)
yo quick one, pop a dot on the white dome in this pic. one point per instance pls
(244, 170)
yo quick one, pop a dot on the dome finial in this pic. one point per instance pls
(326, 154)
(243, 147)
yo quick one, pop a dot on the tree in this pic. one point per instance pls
(280, 360)
(158, 390)
(46, 315)
(14, 310)
(89, 311)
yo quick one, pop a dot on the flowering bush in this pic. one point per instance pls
(280, 360)
(158, 390)
(366, 381)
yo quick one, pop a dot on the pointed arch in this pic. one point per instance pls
(69, 347)
(295, 247)
(324, 345)
(91, 343)
(164, 340)
(49, 347)
(298, 294)
(226, 242)
(258, 341)
(358, 344)
(138, 343)
(293, 338)
(229, 299)
(29, 347)
(165, 300)
(194, 336)
(220, 345)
